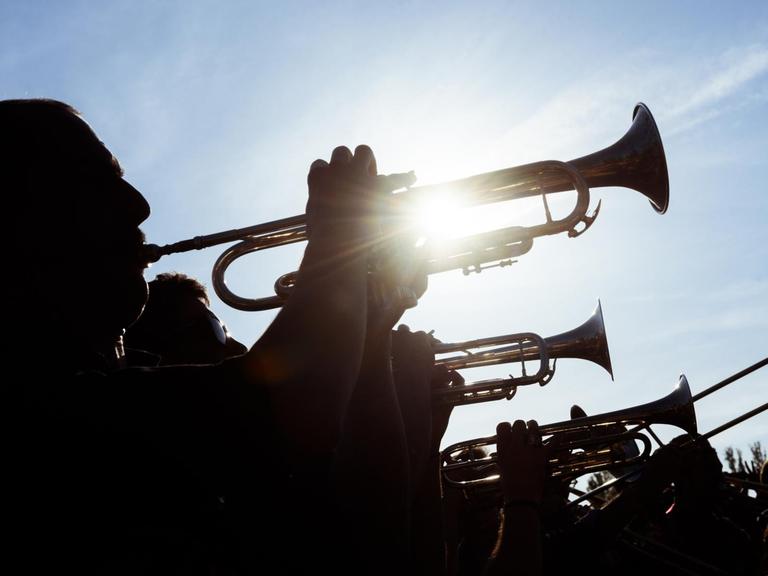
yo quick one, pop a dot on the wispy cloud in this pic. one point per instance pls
(750, 289)
(573, 119)
(742, 66)
(718, 322)
(747, 289)
(684, 93)
(656, 297)
(731, 75)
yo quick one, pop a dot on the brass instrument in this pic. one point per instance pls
(587, 342)
(635, 161)
(586, 444)
(595, 443)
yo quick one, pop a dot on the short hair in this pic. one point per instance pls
(36, 137)
(162, 313)
(23, 123)
(166, 289)
(22, 106)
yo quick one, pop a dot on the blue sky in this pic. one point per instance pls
(216, 109)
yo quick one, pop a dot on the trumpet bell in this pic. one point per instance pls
(635, 161)
(587, 342)
(676, 409)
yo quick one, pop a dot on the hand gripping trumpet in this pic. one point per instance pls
(635, 161)
(587, 342)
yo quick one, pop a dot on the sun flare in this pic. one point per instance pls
(439, 218)
(446, 216)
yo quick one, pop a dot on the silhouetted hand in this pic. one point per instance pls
(350, 204)
(412, 355)
(413, 361)
(345, 196)
(522, 461)
(441, 410)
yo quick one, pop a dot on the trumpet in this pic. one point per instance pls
(594, 443)
(587, 342)
(587, 444)
(635, 161)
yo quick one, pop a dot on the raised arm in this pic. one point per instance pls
(310, 356)
(522, 463)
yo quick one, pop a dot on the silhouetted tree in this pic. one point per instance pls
(737, 464)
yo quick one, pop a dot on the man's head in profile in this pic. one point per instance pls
(76, 245)
(179, 326)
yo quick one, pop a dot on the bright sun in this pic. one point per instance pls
(445, 215)
(440, 218)
(440, 212)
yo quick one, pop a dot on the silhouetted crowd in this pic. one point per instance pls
(150, 441)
